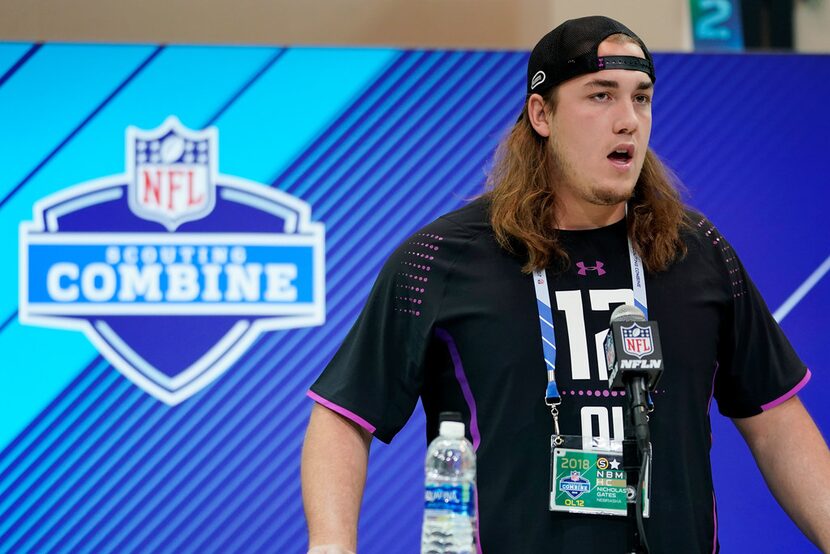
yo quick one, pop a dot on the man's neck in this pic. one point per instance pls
(588, 216)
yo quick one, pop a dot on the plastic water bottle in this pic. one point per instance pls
(450, 491)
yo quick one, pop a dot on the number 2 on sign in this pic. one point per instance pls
(708, 25)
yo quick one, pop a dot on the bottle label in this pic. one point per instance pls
(459, 499)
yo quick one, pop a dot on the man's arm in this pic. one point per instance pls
(787, 445)
(335, 456)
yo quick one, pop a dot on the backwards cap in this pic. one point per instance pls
(570, 50)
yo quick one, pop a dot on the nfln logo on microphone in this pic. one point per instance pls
(172, 269)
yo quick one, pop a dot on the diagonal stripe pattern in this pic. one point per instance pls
(32, 50)
(105, 468)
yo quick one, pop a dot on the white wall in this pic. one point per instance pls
(812, 26)
(507, 24)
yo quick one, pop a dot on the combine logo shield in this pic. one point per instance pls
(575, 485)
(172, 270)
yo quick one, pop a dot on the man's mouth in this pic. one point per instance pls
(622, 154)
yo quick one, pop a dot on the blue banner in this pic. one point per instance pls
(188, 234)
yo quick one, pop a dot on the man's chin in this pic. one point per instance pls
(602, 197)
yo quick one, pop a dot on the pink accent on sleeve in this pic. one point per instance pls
(786, 396)
(715, 518)
(342, 411)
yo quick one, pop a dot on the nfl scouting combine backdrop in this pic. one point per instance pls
(188, 233)
(171, 249)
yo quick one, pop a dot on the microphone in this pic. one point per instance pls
(632, 348)
(635, 363)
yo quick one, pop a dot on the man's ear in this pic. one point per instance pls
(538, 115)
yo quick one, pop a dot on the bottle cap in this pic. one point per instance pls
(450, 416)
(451, 429)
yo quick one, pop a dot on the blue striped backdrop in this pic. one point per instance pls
(91, 463)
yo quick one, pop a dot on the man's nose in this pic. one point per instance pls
(625, 119)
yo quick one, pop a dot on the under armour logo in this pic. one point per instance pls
(583, 269)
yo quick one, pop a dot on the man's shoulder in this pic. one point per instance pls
(456, 229)
(698, 229)
(701, 230)
(471, 219)
(705, 244)
(434, 248)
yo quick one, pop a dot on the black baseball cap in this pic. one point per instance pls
(570, 50)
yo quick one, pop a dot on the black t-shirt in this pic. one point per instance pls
(452, 319)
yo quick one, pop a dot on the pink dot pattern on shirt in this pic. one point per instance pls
(412, 279)
(729, 258)
(601, 392)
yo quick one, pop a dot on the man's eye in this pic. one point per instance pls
(601, 96)
(642, 99)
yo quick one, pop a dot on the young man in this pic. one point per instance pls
(576, 205)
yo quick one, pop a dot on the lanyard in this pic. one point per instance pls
(540, 282)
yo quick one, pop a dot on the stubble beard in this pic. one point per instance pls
(564, 173)
(603, 197)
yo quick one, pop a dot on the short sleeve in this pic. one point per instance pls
(377, 374)
(757, 366)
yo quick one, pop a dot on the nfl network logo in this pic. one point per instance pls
(172, 269)
(637, 340)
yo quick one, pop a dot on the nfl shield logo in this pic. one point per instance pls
(637, 340)
(173, 173)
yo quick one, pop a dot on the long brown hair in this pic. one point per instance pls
(522, 195)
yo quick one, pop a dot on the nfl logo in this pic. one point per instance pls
(173, 173)
(637, 340)
(576, 476)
